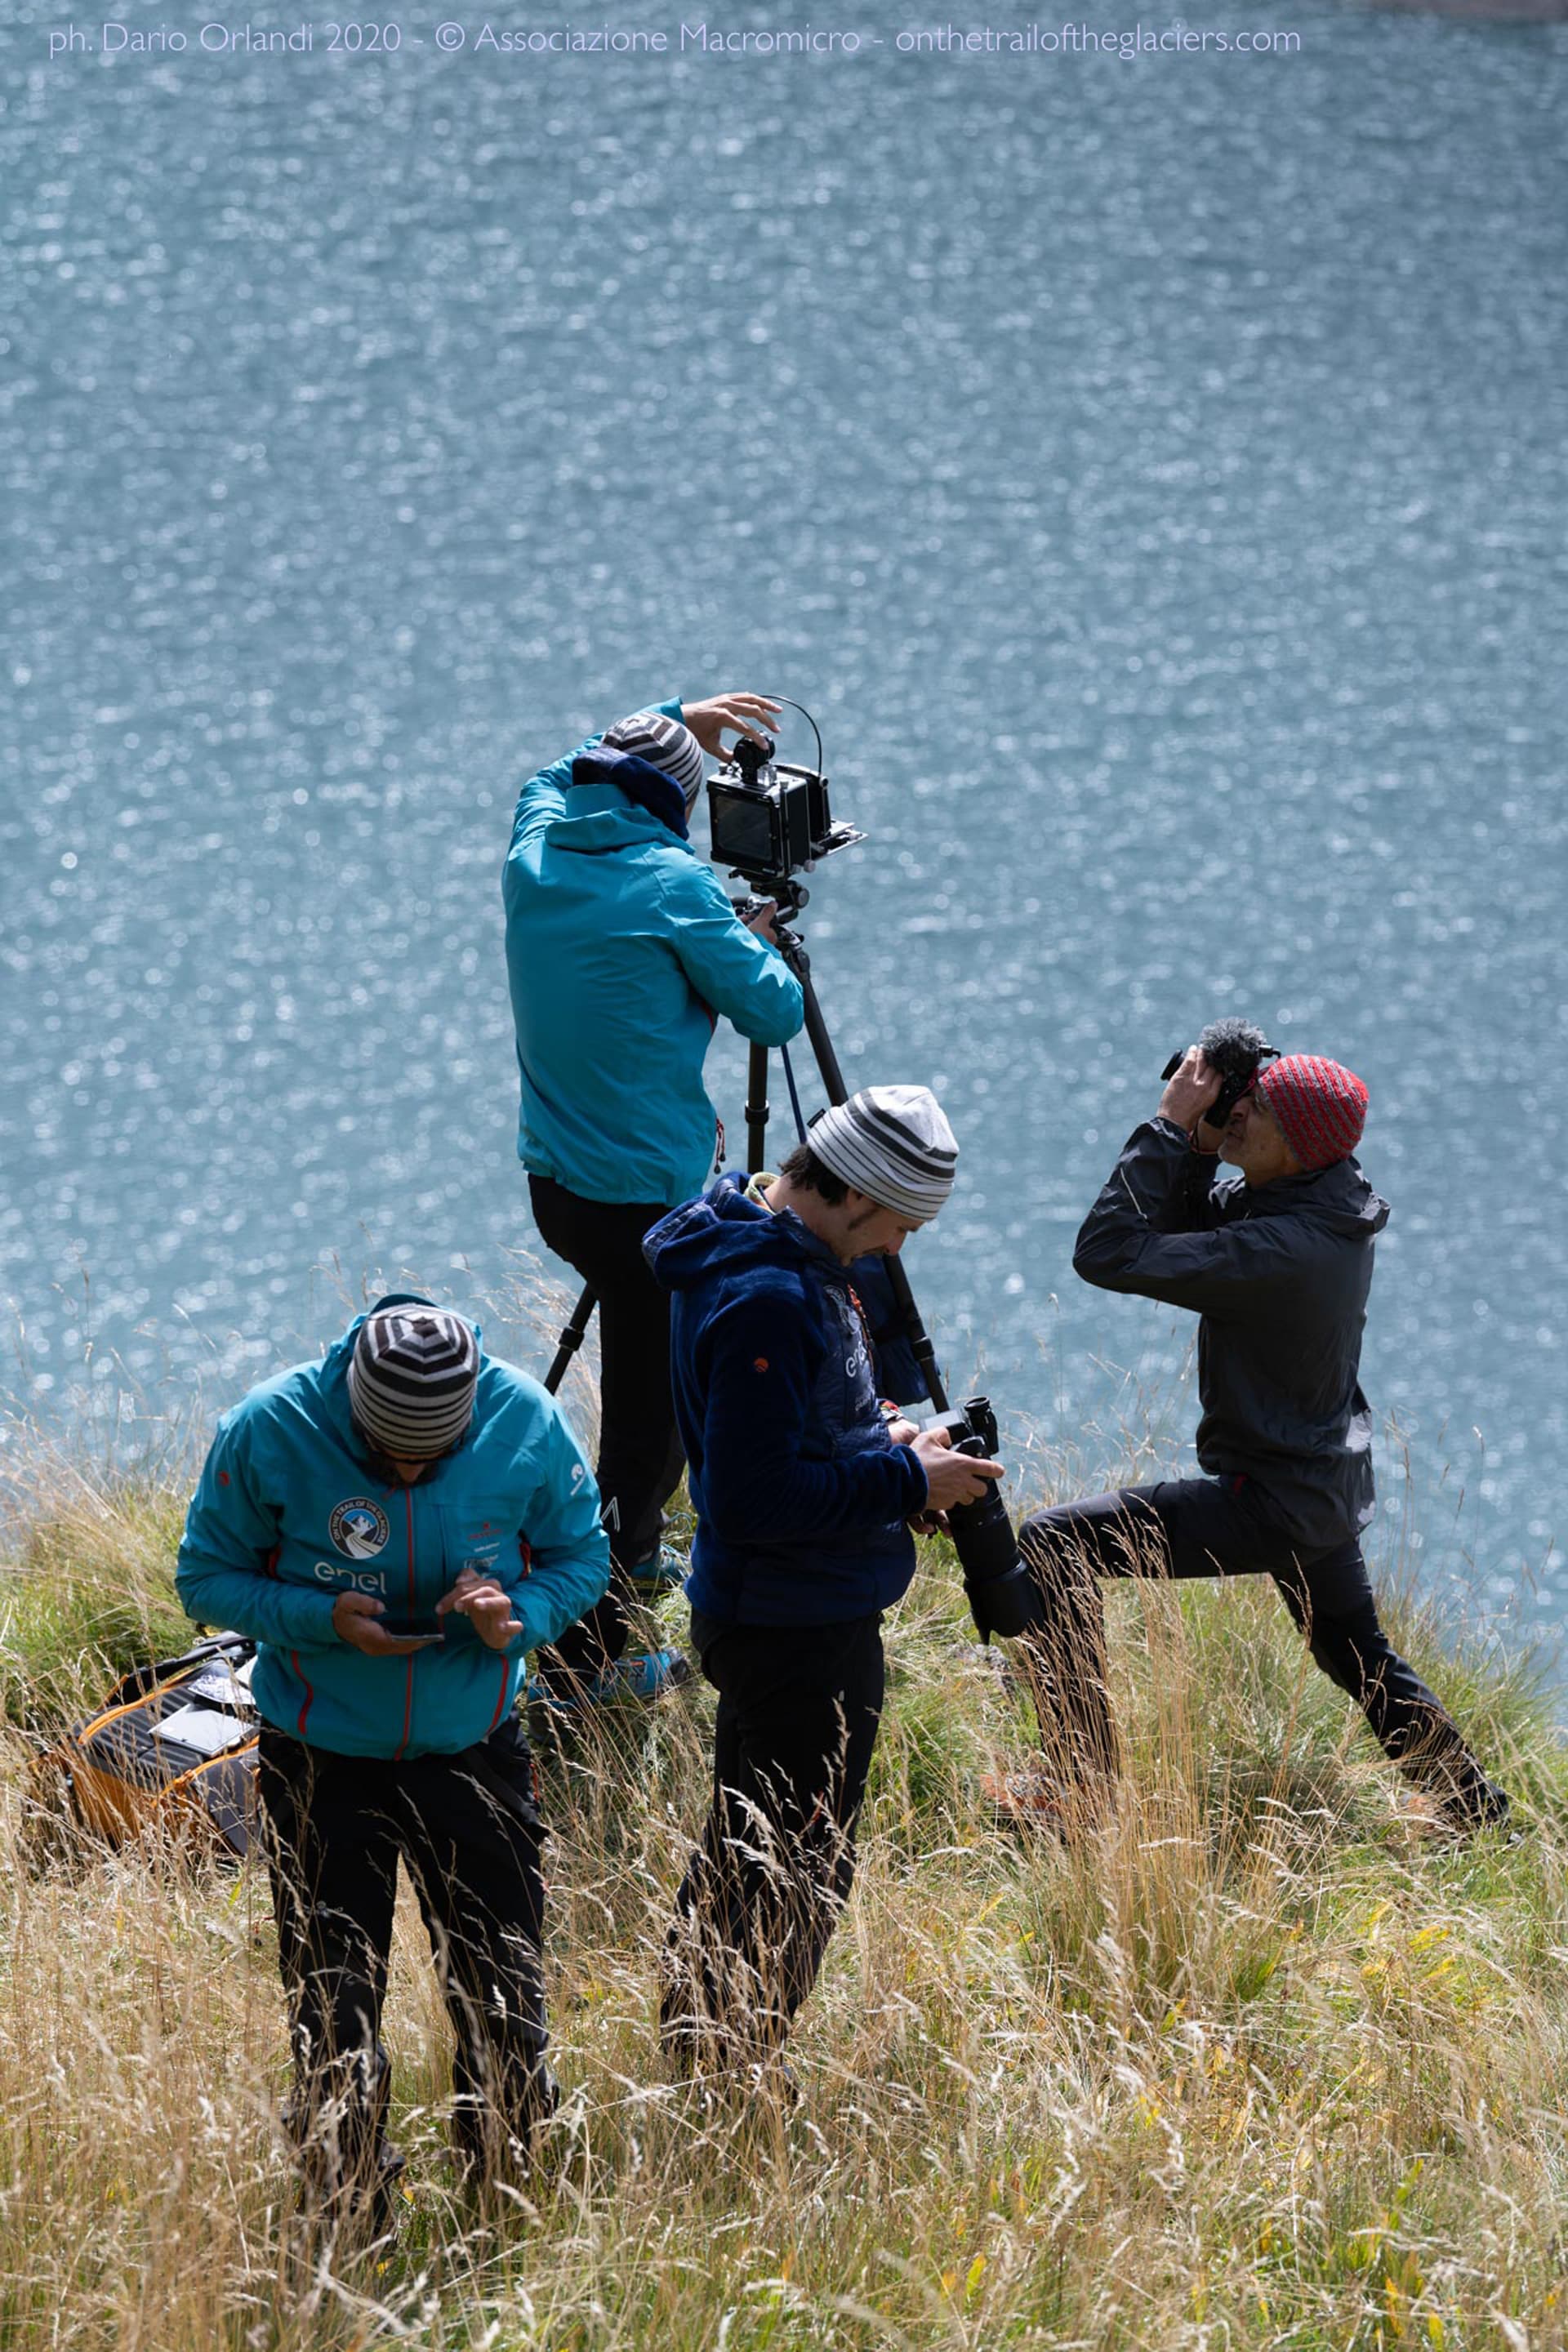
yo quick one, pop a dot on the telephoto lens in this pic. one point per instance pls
(1002, 1595)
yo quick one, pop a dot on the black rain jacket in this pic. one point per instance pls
(1279, 1276)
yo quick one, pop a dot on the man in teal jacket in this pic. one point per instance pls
(396, 1527)
(622, 951)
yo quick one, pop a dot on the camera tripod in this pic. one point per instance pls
(793, 950)
(791, 900)
(1001, 1592)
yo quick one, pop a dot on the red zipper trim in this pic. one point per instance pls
(408, 1681)
(310, 1693)
(500, 1703)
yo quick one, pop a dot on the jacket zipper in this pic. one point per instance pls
(408, 1662)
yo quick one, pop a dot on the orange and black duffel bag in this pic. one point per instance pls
(173, 1748)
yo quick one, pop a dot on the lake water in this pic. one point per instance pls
(1153, 471)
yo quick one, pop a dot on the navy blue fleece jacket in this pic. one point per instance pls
(801, 1496)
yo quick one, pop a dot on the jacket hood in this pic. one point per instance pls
(600, 820)
(723, 1232)
(643, 785)
(1339, 1197)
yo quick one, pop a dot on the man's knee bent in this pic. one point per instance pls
(1073, 1545)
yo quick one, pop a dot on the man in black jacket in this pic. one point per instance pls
(1278, 1267)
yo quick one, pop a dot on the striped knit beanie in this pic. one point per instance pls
(664, 743)
(1321, 1107)
(892, 1143)
(411, 1381)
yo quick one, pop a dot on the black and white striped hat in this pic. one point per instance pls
(894, 1144)
(411, 1380)
(664, 743)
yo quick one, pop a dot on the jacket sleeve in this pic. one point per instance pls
(759, 1484)
(735, 972)
(232, 1531)
(1125, 1244)
(1194, 1204)
(568, 1553)
(544, 797)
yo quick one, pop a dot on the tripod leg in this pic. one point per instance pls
(821, 1043)
(827, 1062)
(570, 1339)
(756, 1110)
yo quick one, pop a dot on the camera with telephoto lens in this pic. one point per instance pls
(1003, 1596)
(769, 823)
(1236, 1050)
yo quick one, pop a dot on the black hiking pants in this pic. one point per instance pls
(468, 1832)
(640, 1458)
(1224, 1527)
(798, 1711)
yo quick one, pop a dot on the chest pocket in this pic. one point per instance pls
(481, 1535)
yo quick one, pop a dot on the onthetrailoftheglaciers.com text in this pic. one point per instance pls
(482, 36)
(990, 40)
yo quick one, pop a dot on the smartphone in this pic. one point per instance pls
(410, 1629)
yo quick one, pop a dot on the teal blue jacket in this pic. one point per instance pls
(290, 1513)
(622, 948)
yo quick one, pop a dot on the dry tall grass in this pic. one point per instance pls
(1255, 2067)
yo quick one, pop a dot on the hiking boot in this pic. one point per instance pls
(348, 2220)
(723, 2074)
(569, 1695)
(654, 1674)
(484, 2154)
(644, 1678)
(1033, 1799)
(1445, 1817)
(664, 1570)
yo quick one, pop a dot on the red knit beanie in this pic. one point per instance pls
(1321, 1107)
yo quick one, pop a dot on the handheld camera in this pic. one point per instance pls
(1003, 1596)
(1236, 1050)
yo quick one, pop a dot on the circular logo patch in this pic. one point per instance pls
(359, 1528)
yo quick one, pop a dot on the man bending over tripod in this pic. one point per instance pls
(1279, 1266)
(622, 951)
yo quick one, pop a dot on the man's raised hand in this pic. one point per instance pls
(1190, 1092)
(742, 714)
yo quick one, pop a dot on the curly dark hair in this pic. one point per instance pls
(804, 1168)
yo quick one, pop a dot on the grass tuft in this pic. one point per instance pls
(1256, 2065)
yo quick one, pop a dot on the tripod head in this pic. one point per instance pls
(791, 899)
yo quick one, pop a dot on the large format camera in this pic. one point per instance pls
(771, 823)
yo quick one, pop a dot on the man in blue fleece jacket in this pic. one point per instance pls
(803, 1492)
(394, 1527)
(622, 951)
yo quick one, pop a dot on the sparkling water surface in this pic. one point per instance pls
(1151, 473)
